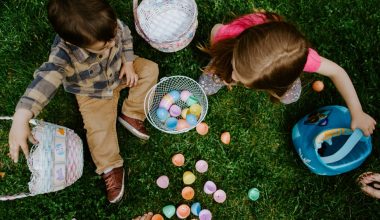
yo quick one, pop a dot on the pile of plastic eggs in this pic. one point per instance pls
(173, 116)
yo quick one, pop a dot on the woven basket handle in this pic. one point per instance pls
(21, 195)
(137, 22)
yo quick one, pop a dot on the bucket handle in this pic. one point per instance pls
(346, 148)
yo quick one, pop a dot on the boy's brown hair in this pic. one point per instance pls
(82, 22)
(269, 56)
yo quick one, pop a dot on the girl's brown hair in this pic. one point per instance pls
(269, 56)
(83, 22)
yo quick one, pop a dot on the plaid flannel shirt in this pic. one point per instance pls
(80, 71)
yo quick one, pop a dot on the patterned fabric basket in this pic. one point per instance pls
(167, 25)
(166, 85)
(55, 162)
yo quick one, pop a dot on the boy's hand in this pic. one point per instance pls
(128, 71)
(19, 133)
(363, 121)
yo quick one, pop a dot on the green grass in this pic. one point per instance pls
(260, 154)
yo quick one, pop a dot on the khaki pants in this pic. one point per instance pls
(99, 116)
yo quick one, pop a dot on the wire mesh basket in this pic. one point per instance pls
(167, 25)
(165, 86)
(55, 162)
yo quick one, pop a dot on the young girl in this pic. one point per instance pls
(261, 51)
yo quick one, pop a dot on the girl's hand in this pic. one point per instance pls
(128, 71)
(363, 121)
(20, 133)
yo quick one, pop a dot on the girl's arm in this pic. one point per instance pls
(345, 87)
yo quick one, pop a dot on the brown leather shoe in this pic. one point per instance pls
(135, 126)
(114, 184)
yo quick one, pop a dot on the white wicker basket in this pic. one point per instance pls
(166, 85)
(55, 162)
(167, 25)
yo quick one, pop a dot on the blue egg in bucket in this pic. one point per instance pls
(171, 123)
(326, 144)
(162, 114)
(175, 95)
(191, 119)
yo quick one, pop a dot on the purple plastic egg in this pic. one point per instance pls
(205, 214)
(209, 187)
(163, 182)
(175, 110)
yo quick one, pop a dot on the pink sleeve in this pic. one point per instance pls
(238, 25)
(313, 61)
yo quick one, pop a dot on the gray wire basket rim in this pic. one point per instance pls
(147, 104)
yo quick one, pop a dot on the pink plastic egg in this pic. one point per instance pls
(178, 160)
(185, 95)
(225, 137)
(183, 211)
(182, 124)
(202, 128)
(166, 102)
(163, 182)
(220, 196)
(201, 166)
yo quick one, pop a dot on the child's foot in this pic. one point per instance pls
(114, 180)
(135, 126)
(146, 216)
(211, 84)
(370, 184)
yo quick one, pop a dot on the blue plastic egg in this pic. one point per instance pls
(191, 119)
(171, 123)
(162, 114)
(175, 95)
(196, 208)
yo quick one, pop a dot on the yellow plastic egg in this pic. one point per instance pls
(188, 178)
(202, 128)
(196, 110)
(225, 137)
(178, 160)
(185, 112)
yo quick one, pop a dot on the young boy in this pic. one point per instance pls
(92, 56)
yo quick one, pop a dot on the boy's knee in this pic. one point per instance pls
(147, 68)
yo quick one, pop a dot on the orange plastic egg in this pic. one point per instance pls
(318, 86)
(225, 137)
(202, 128)
(183, 211)
(188, 193)
(178, 160)
(157, 217)
(182, 124)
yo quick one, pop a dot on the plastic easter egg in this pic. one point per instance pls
(163, 182)
(175, 95)
(182, 124)
(191, 100)
(188, 178)
(209, 187)
(157, 217)
(188, 193)
(196, 110)
(201, 166)
(185, 94)
(196, 208)
(178, 160)
(220, 196)
(225, 137)
(253, 194)
(162, 114)
(318, 86)
(166, 102)
(202, 128)
(175, 110)
(183, 211)
(169, 211)
(191, 119)
(185, 112)
(205, 214)
(171, 123)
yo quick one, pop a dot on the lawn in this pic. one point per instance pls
(261, 153)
